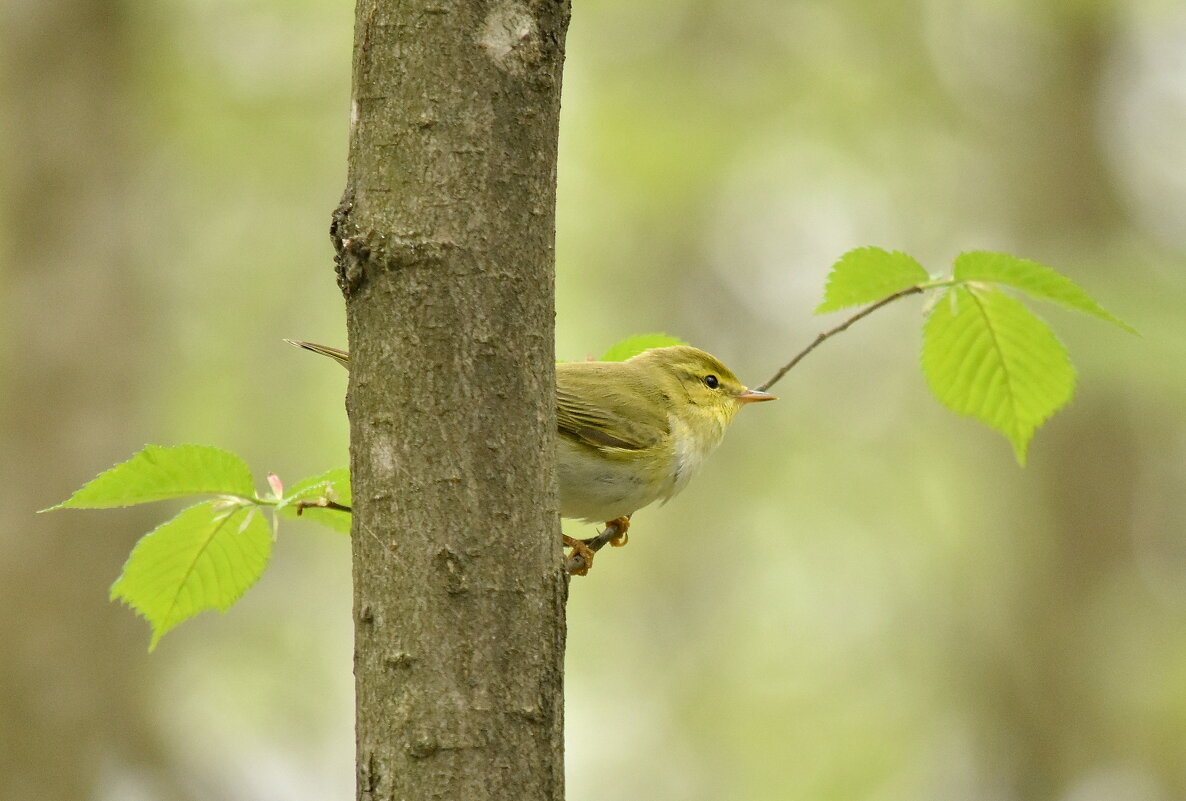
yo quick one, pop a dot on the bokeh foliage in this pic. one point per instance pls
(861, 596)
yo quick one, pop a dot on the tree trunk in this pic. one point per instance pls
(445, 257)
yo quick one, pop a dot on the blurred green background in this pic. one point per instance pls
(862, 597)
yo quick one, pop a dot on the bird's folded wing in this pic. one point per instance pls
(604, 425)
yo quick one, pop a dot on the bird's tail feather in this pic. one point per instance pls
(339, 356)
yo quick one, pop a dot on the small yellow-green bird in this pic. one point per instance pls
(632, 432)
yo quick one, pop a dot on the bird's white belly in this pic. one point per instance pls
(597, 489)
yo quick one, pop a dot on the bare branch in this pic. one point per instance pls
(320, 503)
(865, 312)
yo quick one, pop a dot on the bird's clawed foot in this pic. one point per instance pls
(623, 526)
(581, 558)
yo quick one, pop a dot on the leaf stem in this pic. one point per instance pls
(865, 312)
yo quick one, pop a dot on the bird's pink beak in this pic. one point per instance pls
(753, 396)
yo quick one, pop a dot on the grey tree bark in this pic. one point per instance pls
(445, 257)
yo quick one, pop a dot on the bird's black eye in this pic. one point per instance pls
(711, 381)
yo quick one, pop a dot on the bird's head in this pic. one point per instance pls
(698, 384)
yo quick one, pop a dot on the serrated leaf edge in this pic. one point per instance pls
(153, 499)
(1091, 307)
(220, 518)
(825, 306)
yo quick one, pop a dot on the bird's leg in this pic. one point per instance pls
(581, 549)
(614, 534)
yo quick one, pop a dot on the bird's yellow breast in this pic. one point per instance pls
(600, 484)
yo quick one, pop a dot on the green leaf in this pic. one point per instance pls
(333, 485)
(985, 355)
(1036, 280)
(156, 473)
(867, 275)
(632, 346)
(204, 558)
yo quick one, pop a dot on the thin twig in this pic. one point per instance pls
(320, 503)
(913, 290)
